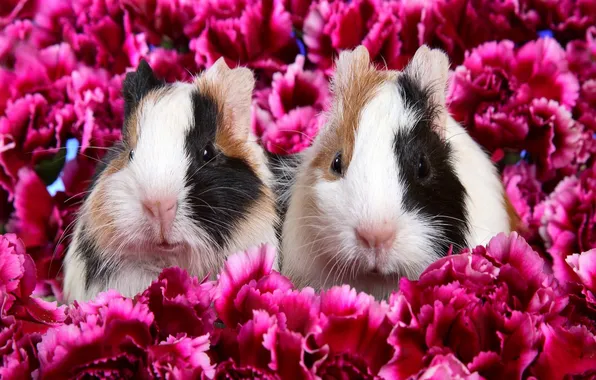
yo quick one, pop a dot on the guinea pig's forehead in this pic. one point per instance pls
(170, 107)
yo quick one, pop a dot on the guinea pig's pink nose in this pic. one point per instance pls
(380, 235)
(163, 210)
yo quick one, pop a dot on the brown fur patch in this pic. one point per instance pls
(100, 225)
(353, 86)
(228, 137)
(515, 222)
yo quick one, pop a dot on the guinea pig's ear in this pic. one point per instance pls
(347, 65)
(430, 68)
(235, 87)
(137, 84)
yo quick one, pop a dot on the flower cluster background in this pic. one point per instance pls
(523, 83)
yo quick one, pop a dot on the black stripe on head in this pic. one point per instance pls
(426, 169)
(223, 188)
(96, 272)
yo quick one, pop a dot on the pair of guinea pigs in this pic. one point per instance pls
(388, 185)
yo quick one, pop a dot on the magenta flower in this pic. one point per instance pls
(171, 65)
(110, 342)
(247, 283)
(510, 99)
(332, 26)
(17, 356)
(160, 19)
(447, 367)
(568, 19)
(248, 32)
(352, 334)
(541, 71)
(17, 283)
(554, 137)
(484, 306)
(568, 217)
(180, 358)
(180, 303)
(581, 55)
(525, 193)
(287, 117)
(298, 9)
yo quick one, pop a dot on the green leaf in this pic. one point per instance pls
(49, 170)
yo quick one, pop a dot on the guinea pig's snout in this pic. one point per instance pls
(380, 235)
(163, 211)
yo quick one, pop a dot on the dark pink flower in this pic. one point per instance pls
(568, 217)
(584, 266)
(249, 32)
(17, 283)
(484, 306)
(111, 341)
(287, 117)
(298, 9)
(447, 367)
(171, 65)
(180, 303)
(247, 283)
(161, 20)
(352, 332)
(581, 55)
(574, 346)
(180, 358)
(525, 193)
(541, 71)
(554, 137)
(17, 354)
(332, 26)
(496, 93)
(568, 19)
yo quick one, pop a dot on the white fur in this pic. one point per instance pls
(319, 247)
(158, 169)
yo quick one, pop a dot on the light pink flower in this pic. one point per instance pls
(180, 358)
(287, 117)
(447, 367)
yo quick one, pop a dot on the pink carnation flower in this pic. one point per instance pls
(111, 341)
(287, 116)
(247, 283)
(180, 303)
(568, 19)
(248, 32)
(554, 138)
(17, 283)
(160, 19)
(332, 26)
(17, 356)
(483, 306)
(447, 367)
(568, 217)
(180, 358)
(298, 9)
(581, 55)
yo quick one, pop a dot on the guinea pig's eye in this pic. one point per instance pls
(131, 154)
(423, 167)
(336, 164)
(208, 153)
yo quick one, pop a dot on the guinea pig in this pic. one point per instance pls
(186, 186)
(390, 183)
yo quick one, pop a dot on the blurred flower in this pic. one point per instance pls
(18, 357)
(581, 54)
(248, 32)
(287, 116)
(180, 303)
(332, 26)
(298, 9)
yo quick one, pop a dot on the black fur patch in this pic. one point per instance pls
(136, 85)
(440, 195)
(224, 188)
(95, 271)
